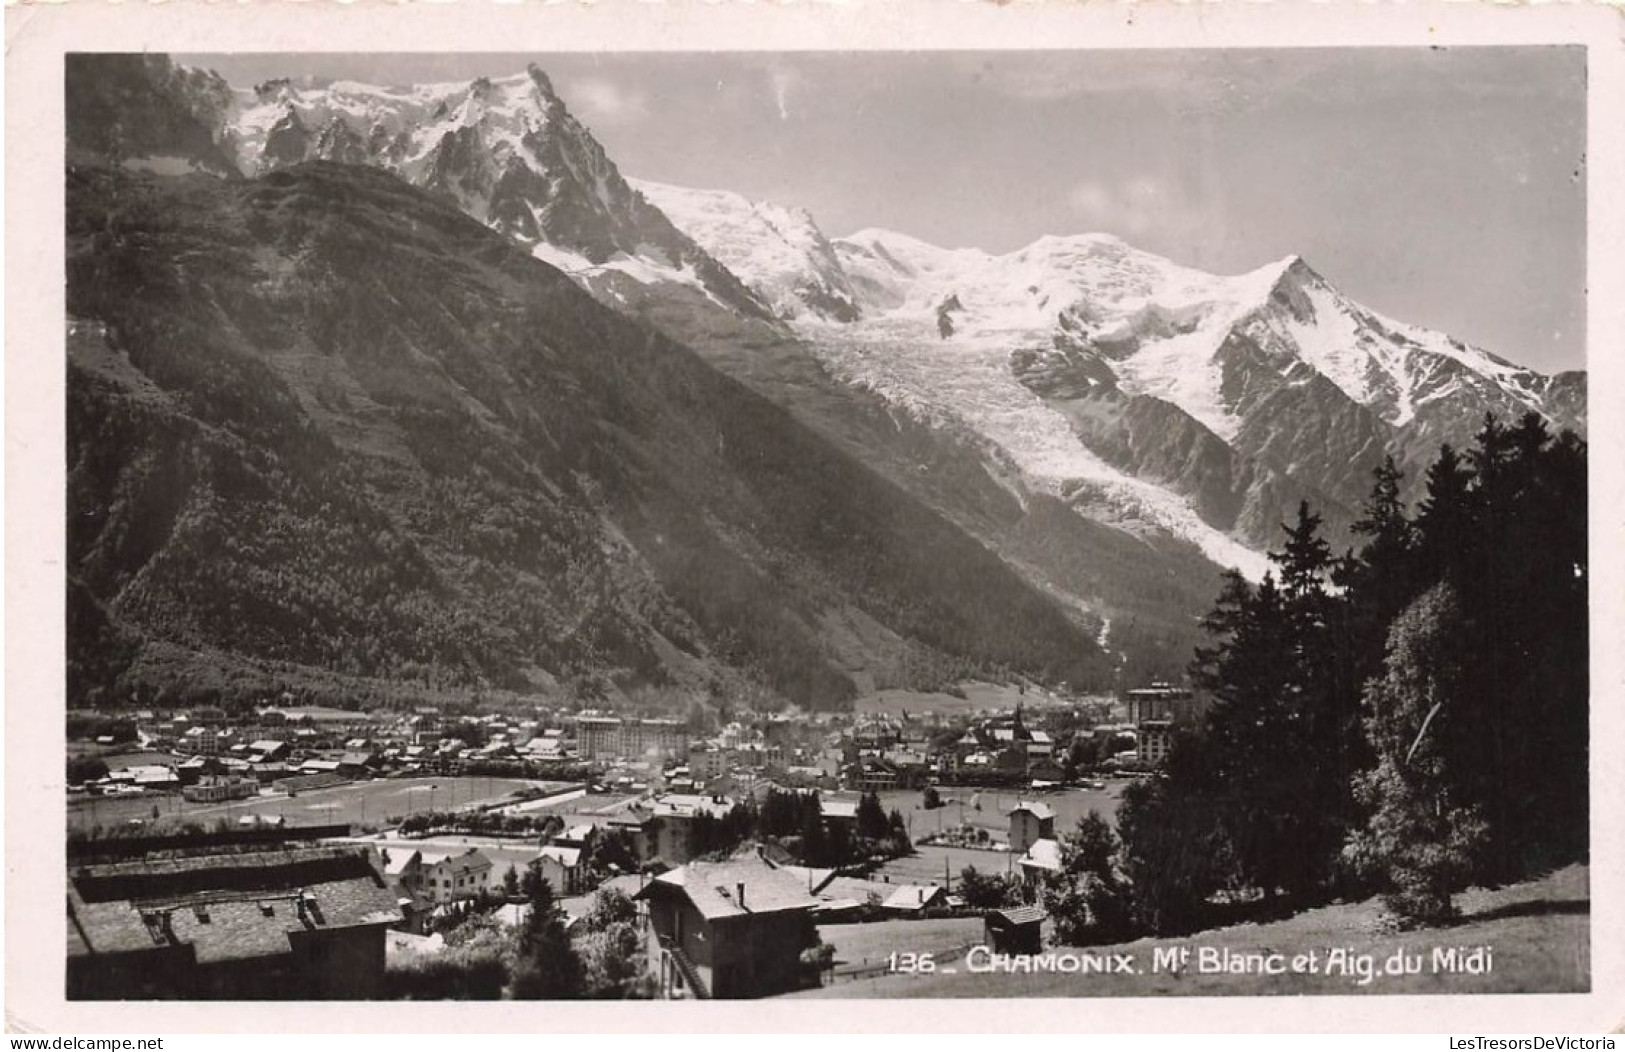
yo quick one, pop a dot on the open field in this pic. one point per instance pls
(857, 945)
(133, 757)
(357, 802)
(1070, 805)
(1538, 934)
(933, 864)
(978, 697)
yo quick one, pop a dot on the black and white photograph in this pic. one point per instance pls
(804, 524)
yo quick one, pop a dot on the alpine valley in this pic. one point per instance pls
(409, 391)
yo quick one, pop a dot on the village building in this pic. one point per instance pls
(149, 776)
(561, 867)
(299, 923)
(1018, 930)
(405, 872)
(611, 738)
(731, 929)
(1043, 857)
(708, 762)
(669, 828)
(456, 877)
(204, 740)
(267, 750)
(212, 789)
(1030, 823)
(915, 900)
(1156, 712)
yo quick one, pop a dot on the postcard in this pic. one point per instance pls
(1081, 516)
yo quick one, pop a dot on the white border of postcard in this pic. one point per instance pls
(37, 37)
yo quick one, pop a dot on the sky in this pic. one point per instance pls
(1442, 187)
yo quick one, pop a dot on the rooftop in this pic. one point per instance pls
(225, 907)
(1020, 915)
(715, 888)
(914, 896)
(1044, 854)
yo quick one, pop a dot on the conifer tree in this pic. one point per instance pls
(548, 967)
(1422, 837)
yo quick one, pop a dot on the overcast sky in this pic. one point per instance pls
(1441, 187)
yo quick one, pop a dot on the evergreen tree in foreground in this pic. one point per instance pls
(1420, 841)
(548, 967)
(1292, 783)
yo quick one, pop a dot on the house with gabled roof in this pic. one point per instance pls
(914, 900)
(560, 865)
(733, 929)
(1018, 929)
(266, 750)
(1030, 822)
(455, 877)
(1042, 857)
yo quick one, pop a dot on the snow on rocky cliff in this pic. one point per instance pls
(778, 252)
(510, 154)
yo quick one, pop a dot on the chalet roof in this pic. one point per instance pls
(400, 861)
(809, 877)
(1019, 915)
(914, 896)
(225, 907)
(576, 834)
(713, 888)
(1037, 810)
(1044, 854)
(856, 888)
(688, 805)
(155, 877)
(568, 857)
(469, 861)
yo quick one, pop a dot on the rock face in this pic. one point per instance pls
(780, 253)
(144, 112)
(507, 152)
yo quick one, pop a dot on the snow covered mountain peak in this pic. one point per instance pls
(508, 152)
(1109, 374)
(777, 251)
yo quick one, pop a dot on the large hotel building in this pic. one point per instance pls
(614, 738)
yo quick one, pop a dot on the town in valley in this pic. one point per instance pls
(431, 822)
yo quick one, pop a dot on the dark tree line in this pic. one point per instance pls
(1409, 717)
(795, 821)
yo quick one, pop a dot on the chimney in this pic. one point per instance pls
(922, 896)
(741, 887)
